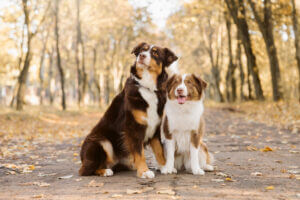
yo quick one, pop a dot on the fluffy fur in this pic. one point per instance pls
(132, 120)
(183, 126)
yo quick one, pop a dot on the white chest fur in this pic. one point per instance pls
(182, 120)
(153, 119)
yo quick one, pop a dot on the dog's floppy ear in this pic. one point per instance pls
(168, 84)
(200, 82)
(170, 57)
(136, 50)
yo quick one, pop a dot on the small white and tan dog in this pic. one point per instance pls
(182, 127)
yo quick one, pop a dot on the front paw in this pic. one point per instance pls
(209, 168)
(168, 170)
(148, 174)
(198, 171)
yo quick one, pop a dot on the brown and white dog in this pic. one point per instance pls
(183, 126)
(132, 120)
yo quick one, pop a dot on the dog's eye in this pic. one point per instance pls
(155, 53)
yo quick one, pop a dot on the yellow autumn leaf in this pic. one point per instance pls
(228, 179)
(266, 149)
(251, 148)
(75, 154)
(271, 187)
(31, 167)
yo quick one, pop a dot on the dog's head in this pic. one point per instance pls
(152, 60)
(187, 87)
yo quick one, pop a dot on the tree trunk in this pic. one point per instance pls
(41, 71)
(266, 28)
(23, 76)
(297, 41)
(60, 69)
(239, 16)
(230, 79)
(240, 66)
(49, 90)
(24, 72)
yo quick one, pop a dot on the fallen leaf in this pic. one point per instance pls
(256, 174)
(147, 189)
(166, 191)
(65, 177)
(129, 191)
(229, 179)
(251, 148)
(283, 171)
(217, 180)
(116, 196)
(266, 149)
(292, 176)
(78, 179)
(38, 196)
(75, 154)
(292, 151)
(293, 171)
(221, 174)
(271, 187)
(93, 183)
(42, 175)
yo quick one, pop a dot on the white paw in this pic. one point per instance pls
(198, 171)
(108, 172)
(168, 170)
(148, 174)
(209, 168)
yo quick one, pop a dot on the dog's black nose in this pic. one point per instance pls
(142, 56)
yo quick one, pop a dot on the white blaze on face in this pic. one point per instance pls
(181, 97)
(146, 61)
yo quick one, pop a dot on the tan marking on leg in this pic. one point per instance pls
(140, 116)
(158, 151)
(195, 138)
(166, 130)
(100, 172)
(108, 148)
(140, 162)
(204, 148)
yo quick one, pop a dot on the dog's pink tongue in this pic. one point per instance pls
(181, 100)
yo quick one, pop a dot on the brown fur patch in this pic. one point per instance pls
(140, 116)
(158, 151)
(108, 149)
(140, 162)
(172, 85)
(155, 69)
(195, 138)
(204, 148)
(166, 130)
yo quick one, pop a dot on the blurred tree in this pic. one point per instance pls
(30, 35)
(297, 40)
(265, 25)
(238, 13)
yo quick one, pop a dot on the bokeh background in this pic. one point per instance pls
(76, 53)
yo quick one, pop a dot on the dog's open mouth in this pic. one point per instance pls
(181, 99)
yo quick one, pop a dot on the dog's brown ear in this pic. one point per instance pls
(136, 50)
(168, 84)
(170, 57)
(200, 81)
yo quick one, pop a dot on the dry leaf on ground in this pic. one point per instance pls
(93, 183)
(166, 191)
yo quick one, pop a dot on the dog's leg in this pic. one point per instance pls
(194, 154)
(141, 166)
(169, 168)
(158, 151)
(205, 158)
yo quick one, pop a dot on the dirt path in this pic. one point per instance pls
(31, 168)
